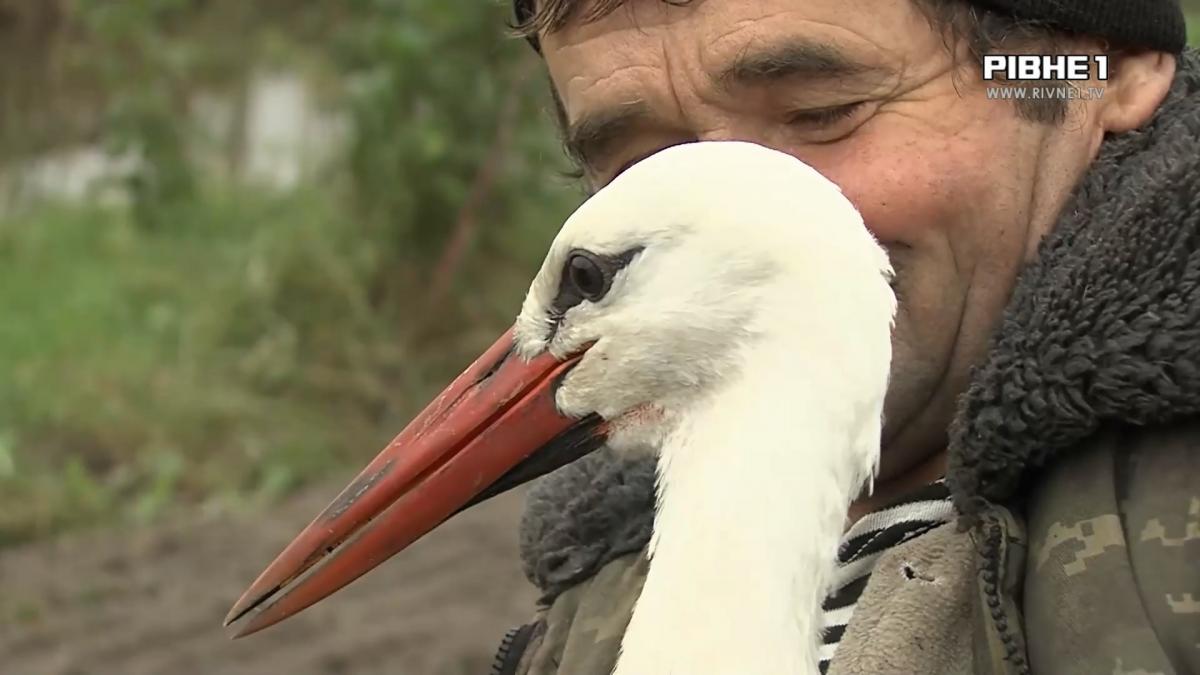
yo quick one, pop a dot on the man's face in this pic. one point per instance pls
(957, 187)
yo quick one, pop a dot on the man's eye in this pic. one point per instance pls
(823, 117)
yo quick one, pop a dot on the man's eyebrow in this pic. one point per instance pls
(795, 58)
(591, 136)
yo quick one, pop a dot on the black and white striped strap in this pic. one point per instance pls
(865, 542)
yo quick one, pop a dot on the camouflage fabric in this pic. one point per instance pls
(1114, 569)
(580, 633)
(1110, 582)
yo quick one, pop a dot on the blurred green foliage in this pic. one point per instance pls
(212, 340)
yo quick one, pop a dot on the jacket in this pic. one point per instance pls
(1074, 463)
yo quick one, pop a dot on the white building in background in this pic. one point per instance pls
(285, 136)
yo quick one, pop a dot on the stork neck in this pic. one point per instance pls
(752, 497)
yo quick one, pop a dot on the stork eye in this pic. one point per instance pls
(589, 274)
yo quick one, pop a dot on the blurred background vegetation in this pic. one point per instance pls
(241, 242)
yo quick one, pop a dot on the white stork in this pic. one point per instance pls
(720, 302)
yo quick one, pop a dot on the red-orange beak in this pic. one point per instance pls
(495, 427)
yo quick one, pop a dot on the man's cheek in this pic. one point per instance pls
(898, 217)
(899, 197)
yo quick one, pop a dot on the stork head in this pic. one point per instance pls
(673, 271)
(652, 295)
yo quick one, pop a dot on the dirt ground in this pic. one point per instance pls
(152, 601)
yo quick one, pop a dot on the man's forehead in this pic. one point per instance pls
(612, 78)
(798, 58)
(723, 41)
(712, 20)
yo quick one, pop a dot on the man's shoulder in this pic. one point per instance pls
(583, 516)
(579, 631)
(1124, 479)
(1113, 571)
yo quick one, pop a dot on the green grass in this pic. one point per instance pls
(233, 350)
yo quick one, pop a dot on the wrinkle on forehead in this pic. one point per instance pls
(642, 20)
(852, 41)
(680, 50)
(620, 71)
(579, 34)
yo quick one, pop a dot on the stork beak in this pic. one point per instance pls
(495, 427)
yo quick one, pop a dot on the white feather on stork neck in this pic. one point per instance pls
(719, 303)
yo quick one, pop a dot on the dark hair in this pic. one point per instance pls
(981, 31)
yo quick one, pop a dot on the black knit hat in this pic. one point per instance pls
(1149, 24)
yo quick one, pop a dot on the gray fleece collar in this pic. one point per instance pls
(1103, 329)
